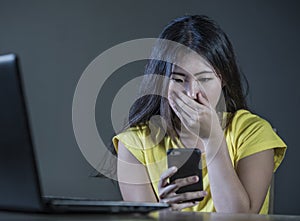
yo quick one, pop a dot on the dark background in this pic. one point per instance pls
(56, 40)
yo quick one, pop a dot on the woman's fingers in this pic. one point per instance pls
(181, 206)
(197, 116)
(163, 186)
(177, 184)
(187, 108)
(184, 114)
(186, 181)
(170, 189)
(188, 120)
(202, 99)
(185, 102)
(195, 104)
(163, 181)
(182, 197)
(166, 190)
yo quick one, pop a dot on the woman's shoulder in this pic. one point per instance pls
(250, 133)
(245, 114)
(248, 128)
(140, 130)
(243, 119)
(132, 135)
(246, 125)
(142, 136)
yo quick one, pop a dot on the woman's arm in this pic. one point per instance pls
(232, 191)
(133, 178)
(243, 190)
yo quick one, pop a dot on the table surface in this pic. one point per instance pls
(164, 215)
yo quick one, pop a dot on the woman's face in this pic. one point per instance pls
(196, 77)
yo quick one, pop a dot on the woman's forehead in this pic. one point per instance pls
(191, 65)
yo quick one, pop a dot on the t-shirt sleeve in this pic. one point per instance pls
(254, 135)
(132, 141)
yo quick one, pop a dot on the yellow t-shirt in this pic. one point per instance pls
(246, 135)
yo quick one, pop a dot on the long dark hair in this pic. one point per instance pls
(204, 36)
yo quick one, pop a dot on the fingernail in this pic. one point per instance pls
(195, 178)
(174, 169)
(205, 193)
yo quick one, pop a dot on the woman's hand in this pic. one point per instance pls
(167, 192)
(197, 116)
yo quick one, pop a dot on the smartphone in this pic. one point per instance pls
(188, 162)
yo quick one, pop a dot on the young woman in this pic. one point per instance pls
(202, 106)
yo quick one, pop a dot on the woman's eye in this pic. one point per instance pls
(178, 80)
(205, 79)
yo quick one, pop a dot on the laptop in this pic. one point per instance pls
(20, 188)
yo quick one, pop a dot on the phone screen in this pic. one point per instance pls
(188, 162)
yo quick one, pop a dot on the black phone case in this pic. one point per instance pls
(188, 162)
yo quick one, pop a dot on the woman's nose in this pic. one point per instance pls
(192, 88)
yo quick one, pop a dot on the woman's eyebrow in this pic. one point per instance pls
(178, 73)
(203, 72)
(196, 74)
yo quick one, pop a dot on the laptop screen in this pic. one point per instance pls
(19, 186)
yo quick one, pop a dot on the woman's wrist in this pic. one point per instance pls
(214, 145)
